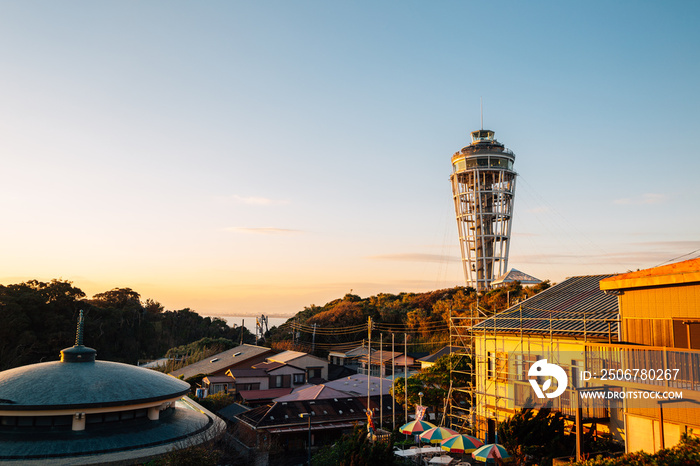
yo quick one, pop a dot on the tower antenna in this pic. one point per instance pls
(481, 103)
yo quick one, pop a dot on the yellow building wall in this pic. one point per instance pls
(644, 434)
(661, 303)
(496, 397)
(647, 318)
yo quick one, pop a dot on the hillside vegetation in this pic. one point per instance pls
(423, 317)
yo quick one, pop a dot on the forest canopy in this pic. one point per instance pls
(39, 319)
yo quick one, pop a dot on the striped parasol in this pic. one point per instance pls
(490, 453)
(436, 434)
(461, 444)
(416, 427)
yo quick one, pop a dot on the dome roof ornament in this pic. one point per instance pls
(78, 353)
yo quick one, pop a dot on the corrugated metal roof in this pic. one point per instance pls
(574, 307)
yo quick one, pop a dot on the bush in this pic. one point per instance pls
(216, 402)
(355, 450)
(687, 452)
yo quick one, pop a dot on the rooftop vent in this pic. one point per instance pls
(236, 354)
(214, 360)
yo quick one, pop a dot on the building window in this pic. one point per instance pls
(576, 368)
(314, 372)
(518, 367)
(278, 381)
(501, 366)
(298, 379)
(490, 365)
(684, 328)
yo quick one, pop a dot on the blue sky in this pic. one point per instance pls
(257, 157)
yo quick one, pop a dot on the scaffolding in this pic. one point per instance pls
(499, 352)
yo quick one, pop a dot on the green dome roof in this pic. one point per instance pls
(60, 385)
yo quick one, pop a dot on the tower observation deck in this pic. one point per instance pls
(483, 189)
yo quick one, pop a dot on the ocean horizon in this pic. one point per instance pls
(249, 321)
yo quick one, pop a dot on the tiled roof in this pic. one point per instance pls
(218, 379)
(575, 307)
(220, 362)
(385, 356)
(242, 373)
(290, 356)
(271, 394)
(229, 412)
(286, 356)
(356, 385)
(314, 392)
(332, 410)
(442, 352)
(268, 365)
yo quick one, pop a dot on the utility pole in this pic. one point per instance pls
(381, 379)
(393, 378)
(313, 340)
(405, 373)
(369, 360)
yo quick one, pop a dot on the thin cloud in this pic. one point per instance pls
(253, 200)
(538, 210)
(644, 199)
(670, 245)
(414, 257)
(643, 258)
(263, 231)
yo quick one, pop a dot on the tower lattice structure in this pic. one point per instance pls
(483, 189)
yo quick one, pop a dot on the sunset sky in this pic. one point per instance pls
(258, 157)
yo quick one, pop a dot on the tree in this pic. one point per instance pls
(535, 436)
(436, 379)
(122, 298)
(356, 450)
(415, 386)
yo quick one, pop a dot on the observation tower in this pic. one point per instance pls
(483, 188)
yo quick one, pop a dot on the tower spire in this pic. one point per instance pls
(78, 352)
(79, 331)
